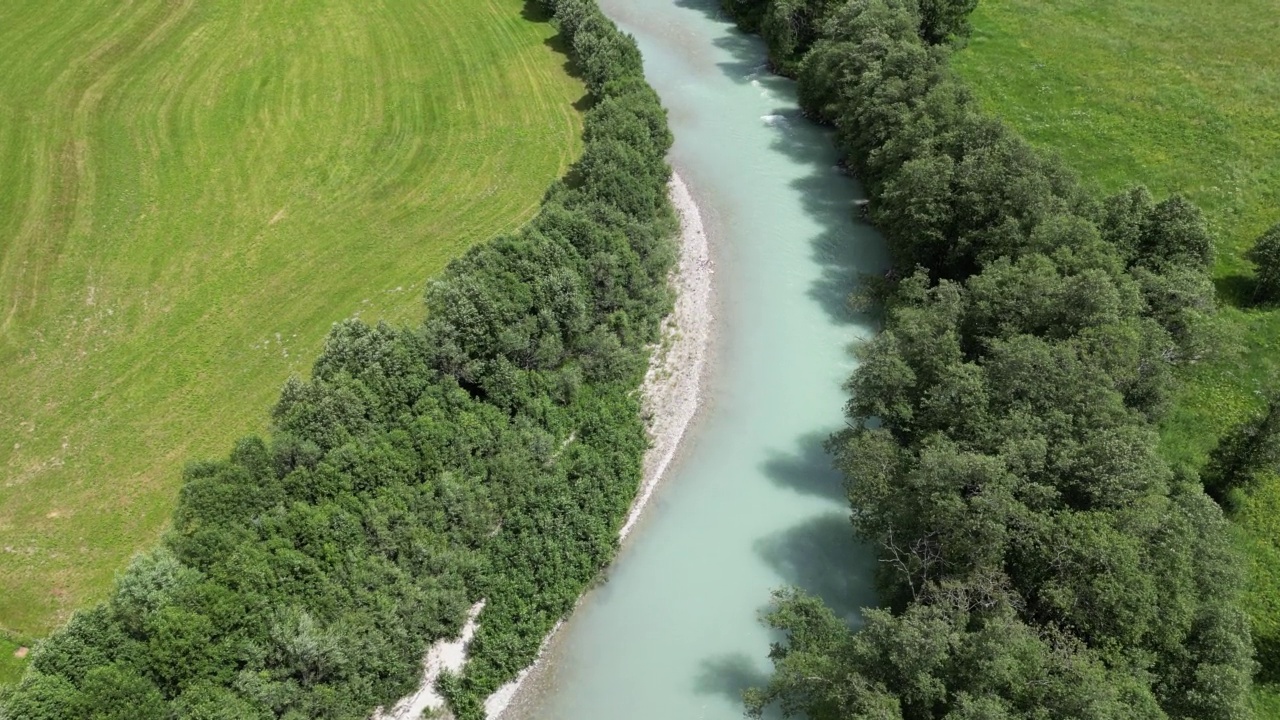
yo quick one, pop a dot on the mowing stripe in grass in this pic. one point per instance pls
(191, 193)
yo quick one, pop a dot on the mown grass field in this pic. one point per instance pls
(1179, 95)
(191, 193)
(11, 666)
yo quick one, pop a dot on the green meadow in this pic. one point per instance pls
(1181, 96)
(191, 194)
(11, 665)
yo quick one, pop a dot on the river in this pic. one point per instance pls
(751, 503)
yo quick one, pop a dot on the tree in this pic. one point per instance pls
(789, 28)
(954, 657)
(116, 692)
(943, 20)
(180, 647)
(1182, 299)
(211, 702)
(746, 13)
(1265, 256)
(1175, 233)
(1122, 217)
(42, 696)
(917, 209)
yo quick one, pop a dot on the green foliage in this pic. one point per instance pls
(1265, 256)
(977, 660)
(1138, 89)
(746, 13)
(491, 453)
(1039, 557)
(1175, 233)
(942, 20)
(790, 28)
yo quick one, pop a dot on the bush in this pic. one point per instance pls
(1265, 256)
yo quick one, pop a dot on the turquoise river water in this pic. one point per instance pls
(751, 503)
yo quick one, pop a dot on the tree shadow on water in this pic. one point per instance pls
(711, 8)
(729, 675)
(821, 557)
(748, 61)
(749, 57)
(846, 247)
(808, 471)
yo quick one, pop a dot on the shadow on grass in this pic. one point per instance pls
(1267, 653)
(534, 12)
(1237, 290)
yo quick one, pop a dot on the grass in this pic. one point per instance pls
(11, 666)
(1179, 95)
(191, 193)
(1266, 702)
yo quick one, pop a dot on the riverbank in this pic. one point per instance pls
(672, 392)
(673, 386)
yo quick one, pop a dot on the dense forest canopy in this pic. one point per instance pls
(1038, 557)
(490, 453)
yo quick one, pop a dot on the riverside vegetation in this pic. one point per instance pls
(490, 453)
(1039, 556)
(1180, 94)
